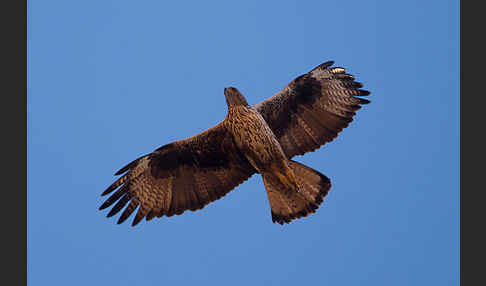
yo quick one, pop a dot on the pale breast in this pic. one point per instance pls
(254, 137)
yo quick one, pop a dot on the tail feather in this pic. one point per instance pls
(286, 204)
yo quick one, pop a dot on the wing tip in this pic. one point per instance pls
(323, 66)
(363, 101)
(363, 92)
(115, 185)
(103, 206)
(129, 166)
(111, 213)
(121, 219)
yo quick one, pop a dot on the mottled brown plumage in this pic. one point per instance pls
(189, 174)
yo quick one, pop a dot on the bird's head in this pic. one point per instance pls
(234, 97)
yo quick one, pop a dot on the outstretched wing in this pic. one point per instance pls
(183, 175)
(313, 108)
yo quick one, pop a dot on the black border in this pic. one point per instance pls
(14, 136)
(472, 170)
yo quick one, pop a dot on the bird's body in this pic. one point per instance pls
(253, 137)
(256, 141)
(190, 173)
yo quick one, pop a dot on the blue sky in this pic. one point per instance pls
(109, 81)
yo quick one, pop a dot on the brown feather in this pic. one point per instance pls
(114, 197)
(288, 205)
(324, 99)
(165, 182)
(128, 211)
(119, 205)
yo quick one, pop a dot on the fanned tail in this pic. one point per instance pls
(286, 204)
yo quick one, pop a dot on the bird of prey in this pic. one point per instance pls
(189, 174)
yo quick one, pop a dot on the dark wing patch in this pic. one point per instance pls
(180, 176)
(313, 108)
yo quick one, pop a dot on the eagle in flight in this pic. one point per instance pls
(189, 174)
